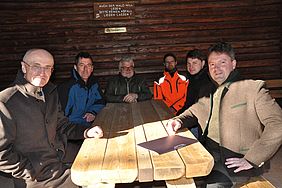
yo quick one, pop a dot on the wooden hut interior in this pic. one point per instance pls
(145, 30)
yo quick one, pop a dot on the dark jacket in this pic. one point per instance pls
(197, 81)
(119, 86)
(33, 132)
(78, 98)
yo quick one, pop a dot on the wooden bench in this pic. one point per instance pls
(257, 182)
(275, 88)
(181, 183)
(254, 182)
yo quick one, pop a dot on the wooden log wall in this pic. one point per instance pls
(64, 28)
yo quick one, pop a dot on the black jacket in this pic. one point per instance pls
(196, 82)
(119, 86)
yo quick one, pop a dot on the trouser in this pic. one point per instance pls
(219, 178)
(72, 149)
(220, 175)
(64, 181)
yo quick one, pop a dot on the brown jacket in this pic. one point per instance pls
(33, 134)
(250, 120)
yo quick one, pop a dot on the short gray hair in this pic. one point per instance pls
(125, 59)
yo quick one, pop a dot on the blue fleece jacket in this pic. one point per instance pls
(78, 98)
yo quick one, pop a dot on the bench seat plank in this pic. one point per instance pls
(258, 182)
(181, 183)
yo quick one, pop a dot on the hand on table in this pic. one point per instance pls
(89, 117)
(172, 126)
(239, 163)
(130, 98)
(94, 132)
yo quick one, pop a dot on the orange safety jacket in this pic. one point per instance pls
(172, 90)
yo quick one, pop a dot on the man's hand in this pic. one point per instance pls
(130, 98)
(172, 126)
(94, 132)
(89, 117)
(241, 163)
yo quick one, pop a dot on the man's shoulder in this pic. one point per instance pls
(138, 77)
(250, 83)
(7, 93)
(160, 80)
(66, 84)
(114, 78)
(182, 77)
(93, 80)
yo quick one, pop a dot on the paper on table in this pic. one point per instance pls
(167, 144)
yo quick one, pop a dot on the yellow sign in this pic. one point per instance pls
(115, 30)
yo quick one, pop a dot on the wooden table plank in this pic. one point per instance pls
(168, 165)
(162, 110)
(91, 163)
(120, 153)
(145, 167)
(198, 160)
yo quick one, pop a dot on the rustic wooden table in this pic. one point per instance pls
(116, 158)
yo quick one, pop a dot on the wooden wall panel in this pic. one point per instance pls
(64, 28)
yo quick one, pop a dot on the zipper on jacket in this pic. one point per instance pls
(127, 85)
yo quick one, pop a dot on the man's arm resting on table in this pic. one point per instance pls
(172, 126)
(130, 98)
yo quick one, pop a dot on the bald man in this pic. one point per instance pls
(33, 129)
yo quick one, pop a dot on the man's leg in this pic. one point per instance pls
(219, 178)
(72, 149)
(64, 181)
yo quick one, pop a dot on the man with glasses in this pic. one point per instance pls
(127, 86)
(33, 128)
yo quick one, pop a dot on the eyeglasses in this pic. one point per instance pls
(127, 68)
(37, 68)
